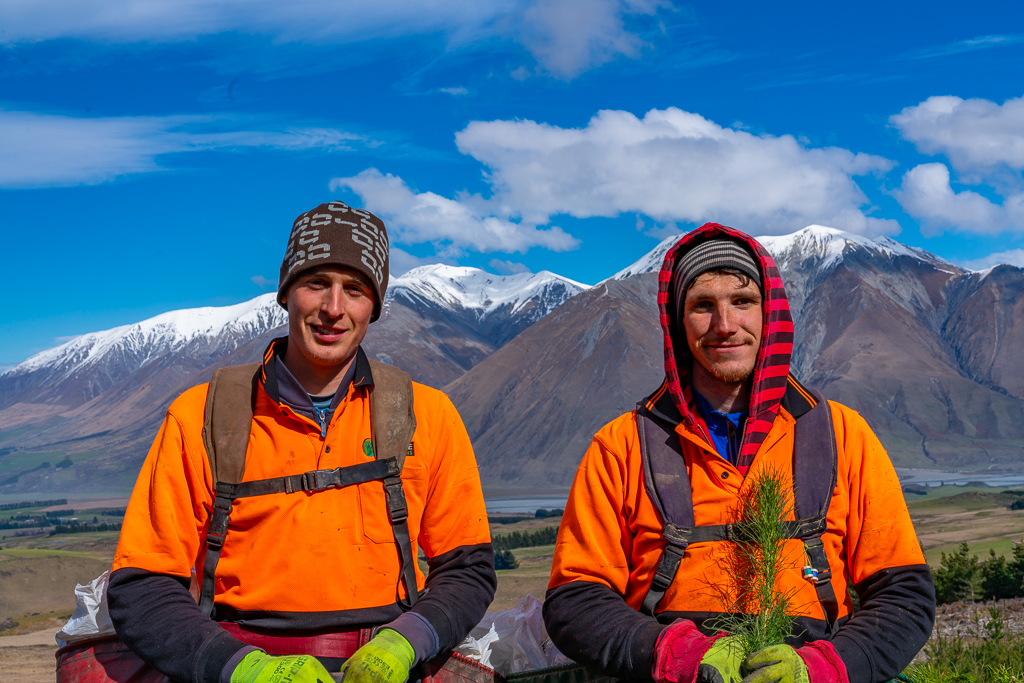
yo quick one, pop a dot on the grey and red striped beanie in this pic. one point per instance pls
(717, 252)
(336, 234)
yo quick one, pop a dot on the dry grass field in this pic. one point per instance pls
(37, 593)
(950, 515)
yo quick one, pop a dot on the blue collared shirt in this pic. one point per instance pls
(726, 429)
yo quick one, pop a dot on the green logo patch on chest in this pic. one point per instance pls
(368, 448)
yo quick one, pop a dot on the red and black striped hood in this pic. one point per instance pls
(772, 367)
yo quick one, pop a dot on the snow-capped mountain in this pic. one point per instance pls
(439, 321)
(816, 247)
(649, 262)
(86, 366)
(822, 248)
(472, 289)
(498, 306)
(217, 329)
(209, 333)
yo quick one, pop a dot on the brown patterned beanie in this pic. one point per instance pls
(336, 234)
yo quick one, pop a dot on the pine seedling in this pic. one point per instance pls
(760, 611)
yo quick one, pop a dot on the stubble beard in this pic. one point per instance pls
(736, 376)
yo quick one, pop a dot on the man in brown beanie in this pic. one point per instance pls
(293, 496)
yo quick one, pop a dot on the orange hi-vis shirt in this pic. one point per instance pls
(611, 532)
(323, 557)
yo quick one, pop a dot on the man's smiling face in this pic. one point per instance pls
(723, 319)
(329, 309)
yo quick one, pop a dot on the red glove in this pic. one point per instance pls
(823, 663)
(678, 652)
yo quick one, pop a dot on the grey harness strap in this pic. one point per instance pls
(228, 423)
(814, 477)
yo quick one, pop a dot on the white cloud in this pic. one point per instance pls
(455, 91)
(565, 36)
(984, 143)
(502, 267)
(45, 150)
(453, 225)
(263, 282)
(979, 137)
(671, 165)
(927, 195)
(1013, 257)
(570, 36)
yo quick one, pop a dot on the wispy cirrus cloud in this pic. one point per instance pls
(48, 150)
(566, 37)
(960, 46)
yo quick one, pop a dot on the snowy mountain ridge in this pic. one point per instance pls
(471, 288)
(161, 334)
(451, 287)
(824, 245)
(461, 289)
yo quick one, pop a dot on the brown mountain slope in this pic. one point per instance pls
(534, 404)
(985, 327)
(433, 345)
(890, 366)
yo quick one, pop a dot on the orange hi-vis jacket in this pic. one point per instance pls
(309, 561)
(612, 535)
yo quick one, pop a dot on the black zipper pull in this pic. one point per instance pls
(322, 414)
(732, 439)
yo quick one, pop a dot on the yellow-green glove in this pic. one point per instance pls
(259, 667)
(776, 664)
(721, 664)
(387, 658)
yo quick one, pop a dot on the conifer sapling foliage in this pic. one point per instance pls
(760, 609)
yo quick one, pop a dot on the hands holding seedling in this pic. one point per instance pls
(815, 662)
(684, 655)
(776, 664)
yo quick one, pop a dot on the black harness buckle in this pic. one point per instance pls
(320, 480)
(398, 510)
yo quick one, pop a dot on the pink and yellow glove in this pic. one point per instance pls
(259, 667)
(815, 662)
(387, 658)
(684, 655)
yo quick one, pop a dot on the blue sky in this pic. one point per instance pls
(154, 154)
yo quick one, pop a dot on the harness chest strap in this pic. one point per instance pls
(229, 413)
(814, 477)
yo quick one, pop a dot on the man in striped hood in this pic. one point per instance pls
(642, 577)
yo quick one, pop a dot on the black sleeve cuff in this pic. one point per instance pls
(460, 586)
(592, 624)
(213, 655)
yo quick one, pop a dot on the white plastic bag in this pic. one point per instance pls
(513, 640)
(91, 618)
